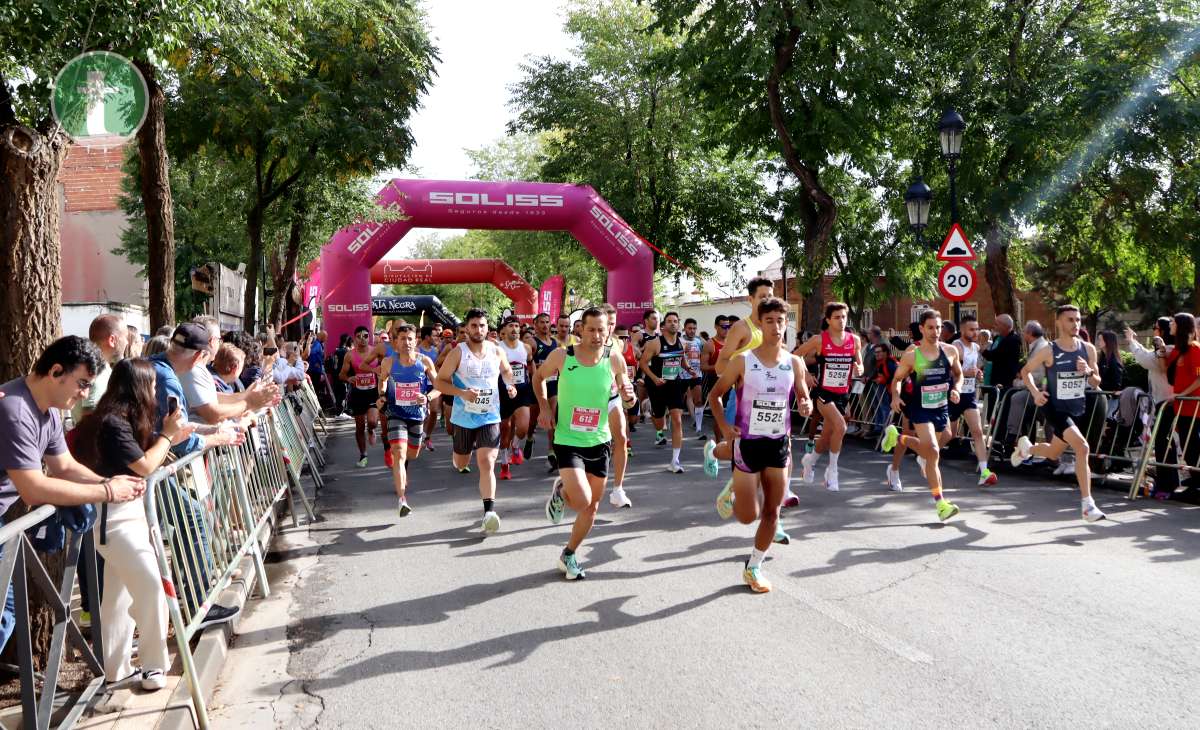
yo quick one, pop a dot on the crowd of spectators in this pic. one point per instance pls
(95, 416)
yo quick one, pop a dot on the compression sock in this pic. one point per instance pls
(833, 457)
(756, 558)
(489, 505)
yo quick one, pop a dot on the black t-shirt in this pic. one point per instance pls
(118, 447)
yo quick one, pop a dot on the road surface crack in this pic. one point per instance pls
(924, 568)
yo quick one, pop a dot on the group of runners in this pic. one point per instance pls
(587, 387)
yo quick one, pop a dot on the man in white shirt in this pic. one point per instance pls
(203, 399)
(288, 369)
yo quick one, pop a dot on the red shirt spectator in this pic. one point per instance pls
(1184, 370)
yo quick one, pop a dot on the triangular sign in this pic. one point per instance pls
(956, 247)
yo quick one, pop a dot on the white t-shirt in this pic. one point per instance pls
(198, 387)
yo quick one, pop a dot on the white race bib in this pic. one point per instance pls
(968, 385)
(935, 396)
(482, 403)
(1071, 387)
(767, 417)
(836, 375)
(518, 369)
(408, 394)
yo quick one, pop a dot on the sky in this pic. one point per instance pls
(482, 46)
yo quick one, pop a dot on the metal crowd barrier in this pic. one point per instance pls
(20, 565)
(314, 415)
(210, 509)
(1183, 446)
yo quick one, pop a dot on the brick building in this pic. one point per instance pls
(94, 279)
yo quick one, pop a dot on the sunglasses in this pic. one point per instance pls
(726, 326)
(622, 337)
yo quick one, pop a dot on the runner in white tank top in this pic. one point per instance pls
(967, 407)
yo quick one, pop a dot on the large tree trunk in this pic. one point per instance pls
(283, 277)
(998, 272)
(156, 200)
(31, 255)
(254, 226)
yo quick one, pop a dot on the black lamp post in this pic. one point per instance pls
(950, 130)
(571, 299)
(916, 200)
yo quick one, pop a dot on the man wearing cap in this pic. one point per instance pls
(189, 349)
(210, 406)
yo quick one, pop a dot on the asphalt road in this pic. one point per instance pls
(1014, 614)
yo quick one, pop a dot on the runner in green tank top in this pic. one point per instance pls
(582, 440)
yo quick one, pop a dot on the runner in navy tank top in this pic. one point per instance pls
(406, 386)
(935, 374)
(1071, 366)
(839, 362)
(543, 344)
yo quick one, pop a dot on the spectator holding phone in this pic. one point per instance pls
(205, 401)
(118, 438)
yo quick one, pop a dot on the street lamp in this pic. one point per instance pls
(917, 199)
(950, 129)
(571, 299)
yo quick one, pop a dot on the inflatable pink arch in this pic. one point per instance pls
(461, 271)
(346, 260)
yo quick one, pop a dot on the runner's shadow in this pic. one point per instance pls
(514, 648)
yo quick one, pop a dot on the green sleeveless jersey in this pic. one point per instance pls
(583, 394)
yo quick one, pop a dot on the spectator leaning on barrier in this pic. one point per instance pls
(1166, 479)
(288, 370)
(211, 406)
(1112, 372)
(226, 367)
(107, 333)
(118, 438)
(35, 465)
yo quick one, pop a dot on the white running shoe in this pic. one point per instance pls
(807, 465)
(831, 479)
(893, 480)
(790, 499)
(618, 498)
(491, 523)
(1023, 451)
(675, 468)
(1092, 513)
(153, 680)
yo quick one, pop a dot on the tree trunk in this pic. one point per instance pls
(997, 271)
(31, 256)
(254, 225)
(283, 278)
(156, 200)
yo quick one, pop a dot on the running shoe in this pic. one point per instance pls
(403, 508)
(465, 470)
(429, 445)
(891, 436)
(505, 472)
(725, 501)
(388, 460)
(569, 565)
(1022, 452)
(987, 477)
(343, 417)
(945, 509)
(808, 470)
(629, 450)
(491, 523)
(700, 436)
(893, 480)
(660, 438)
(754, 578)
(527, 451)
(1092, 513)
(675, 468)
(362, 462)
(790, 500)
(551, 462)
(153, 680)
(711, 465)
(517, 457)
(832, 479)
(781, 537)
(618, 498)
(556, 505)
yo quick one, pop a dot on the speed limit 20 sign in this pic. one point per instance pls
(957, 281)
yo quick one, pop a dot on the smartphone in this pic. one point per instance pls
(270, 350)
(172, 404)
